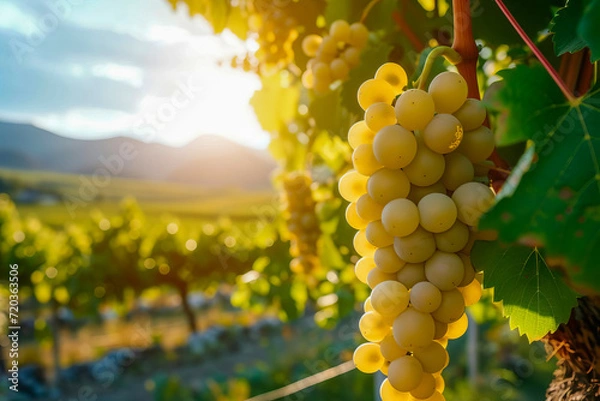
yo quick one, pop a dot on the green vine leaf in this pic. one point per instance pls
(554, 204)
(589, 29)
(534, 297)
(275, 104)
(564, 26)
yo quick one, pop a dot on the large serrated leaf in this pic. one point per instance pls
(534, 297)
(589, 28)
(564, 26)
(555, 203)
(275, 104)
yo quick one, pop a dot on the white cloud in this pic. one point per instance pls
(12, 18)
(86, 123)
(128, 74)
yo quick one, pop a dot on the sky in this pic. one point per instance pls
(102, 68)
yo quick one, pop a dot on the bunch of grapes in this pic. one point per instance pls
(415, 202)
(333, 55)
(275, 26)
(302, 222)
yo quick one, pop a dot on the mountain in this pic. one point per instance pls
(209, 161)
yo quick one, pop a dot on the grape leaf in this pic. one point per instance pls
(564, 26)
(534, 297)
(275, 104)
(589, 29)
(554, 204)
(371, 59)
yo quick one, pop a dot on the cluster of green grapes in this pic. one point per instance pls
(302, 222)
(415, 201)
(333, 55)
(276, 32)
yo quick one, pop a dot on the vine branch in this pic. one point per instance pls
(367, 10)
(540, 56)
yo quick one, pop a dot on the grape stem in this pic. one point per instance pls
(367, 10)
(540, 56)
(441, 51)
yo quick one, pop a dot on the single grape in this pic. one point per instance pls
(352, 185)
(469, 270)
(400, 217)
(451, 308)
(394, 147)
(405, 373)
(390, 348)
(361, 245)
(352, 57)
(360, 134)
(340, 31)
(425, 297)
(353, 219)
(368, 306)
(416, 247)
(472, 200)
(411, 274)
(433, 357)
(426, 168)
(471, 292)
(388, 393)
(389, 298)
(414, 109)
(328, 47)
(308, 79)
(368, 209)
(373, 327)
(377, 276)
(444, 270)
(379, 115)
(413, 329)
(359, 35)
(426, 387)
(443, 134)
(471, 114)
(363, 267)
(417, 193)
(459, 170)
(393, 74)
(441, 329)
(311, 44)
(339, 69)
(454, 239)
(478, 144)
(437, 212)
(386, 185)
(377, 235)
(364, 161)
(374, 91)
(458, 328)
(449, 91)
(368, 358)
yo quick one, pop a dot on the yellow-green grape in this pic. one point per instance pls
(373, 327)
(437, 396)
(363, 267)
(414, 109)
(384, 368)
(459, 170)
(433, 357)
(368, 358)
(379, 115)
(394, 74)
(308, 79)
(416, 247)
(469, 270)
(367, 305)
(443, 134)
(451, 308)
(311, 44)
(340, 31)
(471, 292)
(360, 134)
(377, 235)
(394, 146)
(454, 239)
(353, 219)
(321, 86)
(440, 384)
(417, 193)
(390, 348)
(472, 200)
(388, 393)
(441, 329)
(377, 276)
(386, 259)
(445, 270)
(368, 209)
(359, 35)
(364, 160)
(375, 91)
(351, 56)
(425, 297)
(449, 91)
(405, 373)
(426, 387)
(471, 114)
(352, 185)
(413, 329)
(477, 144)
(458, 328)
(437, 212)
(426, 168)
(322, 72)
(339, 69)
(361, 245)
(411, 274)
(389, 298)
(386, 185)
(400, 217)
